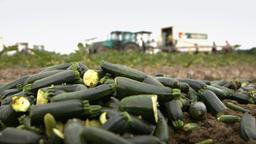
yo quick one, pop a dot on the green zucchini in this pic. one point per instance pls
(64, 110)
(101, 136)
(212, 102)
(221, 94)
(229, 118)
(8, 99)
(248, 127)
(122, 70)
(110, 112)
(236, 107)
(162, 129)
(113, 103)
(195, 84)
(18, 136)
(13, 84)
(67, 88)
(144, 139)
(197, 110)
(127, 87)
(72, 131)
(41, 75)
(135, 125)
(152, 80)
(219, 82)
(242, 98)
(8, 116)
(57, 67)
(173, 83)
(192, 95)
(144, 105)
(139, 127)
(67, 76)
(117, 123)
(91, 94)
(8, 92)
(59, 89)
(174, 113)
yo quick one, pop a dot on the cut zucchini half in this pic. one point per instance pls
(103, 118)
(155, 105)
(58, 133)
(91, 78)
(50, 123)
(41, 97)
(20, 104)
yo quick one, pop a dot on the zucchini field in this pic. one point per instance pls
(134, 98)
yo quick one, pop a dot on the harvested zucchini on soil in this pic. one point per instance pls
(64, 109)
(144, 105)
(197, 110)
(212, 102)
(18, 136)
(124, 71)
(91, 94)
(72, 131)
(101, 136)
(174, 113)
(127, 87)
(248, 127)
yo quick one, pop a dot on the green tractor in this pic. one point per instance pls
(119, 40)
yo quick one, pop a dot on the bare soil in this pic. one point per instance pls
(245, 72)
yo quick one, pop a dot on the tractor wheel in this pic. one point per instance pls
(131, 47)
(97, 48)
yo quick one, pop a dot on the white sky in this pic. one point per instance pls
(61, 24)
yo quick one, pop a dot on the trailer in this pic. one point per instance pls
(180, 40)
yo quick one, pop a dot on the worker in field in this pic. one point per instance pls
(171, 43)
(197, 48)
(214, 48)
(227, 48)
(143, 45)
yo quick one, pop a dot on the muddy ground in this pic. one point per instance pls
(221, 133)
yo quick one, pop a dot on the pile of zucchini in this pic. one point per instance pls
(115, 104)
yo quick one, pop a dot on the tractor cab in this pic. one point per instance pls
(119, 38)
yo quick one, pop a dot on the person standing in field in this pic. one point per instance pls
(227, 48)
(214, 48)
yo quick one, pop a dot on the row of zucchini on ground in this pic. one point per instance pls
(115, 104)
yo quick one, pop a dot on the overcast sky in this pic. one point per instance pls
(61, 24)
